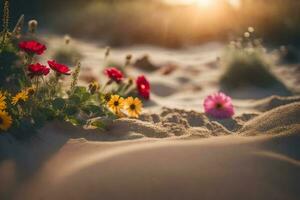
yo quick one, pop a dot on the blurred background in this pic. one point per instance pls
(168, 23)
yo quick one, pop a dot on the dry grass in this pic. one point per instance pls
(244, 68)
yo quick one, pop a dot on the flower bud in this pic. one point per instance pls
(246, 34)
(107, 52)
(32, 26)
(93, 87)
(30, 91)
(107, 97)
(128, 59)
(67, 39)
(251, 29)
(130, 81)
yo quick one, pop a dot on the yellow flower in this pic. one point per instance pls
(5, 121)
(116, 103)
(2, 101)
(133, 106)
(20, 97)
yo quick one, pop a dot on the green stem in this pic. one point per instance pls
(105, 86)
(37, 88)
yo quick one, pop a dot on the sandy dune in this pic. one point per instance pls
(225, 167)
(218, 168)
(174, 151)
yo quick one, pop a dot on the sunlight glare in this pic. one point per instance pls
(235, 3)
(204, 3)
(200, 3)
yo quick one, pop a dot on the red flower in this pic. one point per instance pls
(59, 68)
(38, 70)
(143, 87)
(32, 47)
(114, 74)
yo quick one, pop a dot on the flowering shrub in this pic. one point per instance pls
(39, 94)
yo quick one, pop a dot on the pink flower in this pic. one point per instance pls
(219, 106)
(38, 70)
(114, 74)
(59, 68)
(143, 87)
(32, 47)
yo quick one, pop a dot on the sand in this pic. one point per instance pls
(224, 167)
(174, 151)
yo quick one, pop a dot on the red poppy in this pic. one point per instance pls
(143, 87)
(38, 70)
(114, 74)
(59, 68)
(32, 47)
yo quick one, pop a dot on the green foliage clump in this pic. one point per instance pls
(10, 72)
(246, 64)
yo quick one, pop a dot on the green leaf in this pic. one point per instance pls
(75, 121)
(82, 93)
(48, 113)
(71, 110)
(101, 122)
(79, 90)
(58, 103)
(74, 100)
(92, 109)
(85, 97)
(98, 124)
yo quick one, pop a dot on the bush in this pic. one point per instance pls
(246, 64)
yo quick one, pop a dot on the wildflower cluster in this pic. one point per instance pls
(126, 87)
(32, 93)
